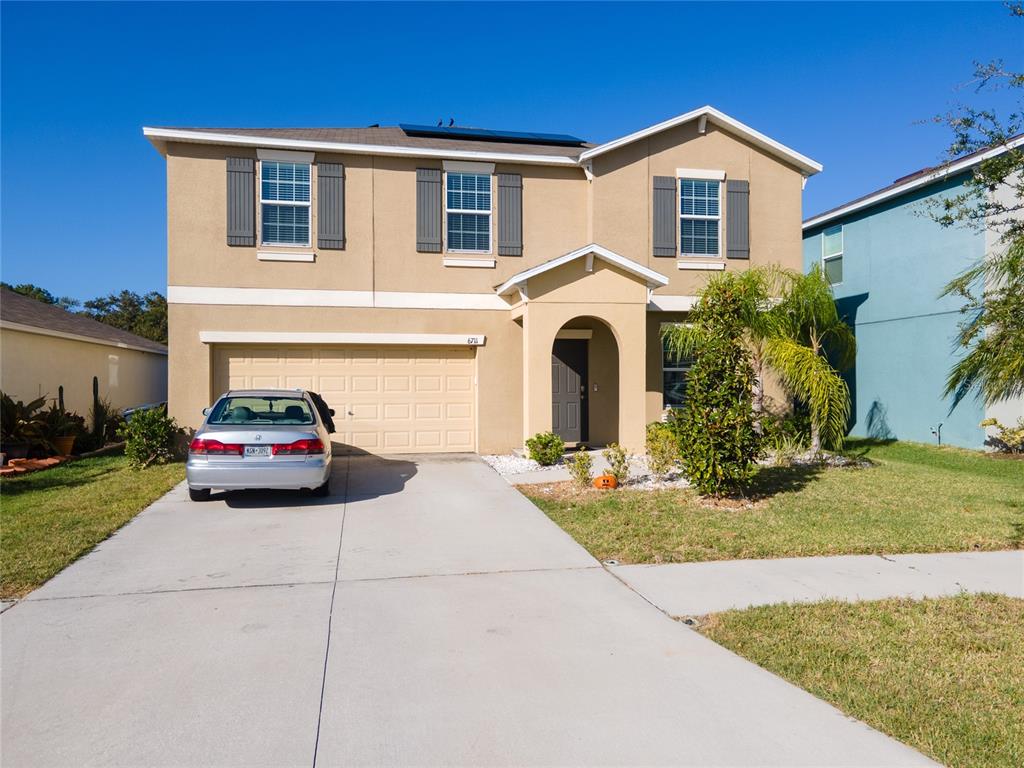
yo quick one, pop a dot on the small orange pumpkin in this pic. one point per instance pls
(605, 482)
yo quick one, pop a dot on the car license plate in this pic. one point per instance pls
(255, 451)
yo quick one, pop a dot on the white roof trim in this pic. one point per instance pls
(204, 137)
(950, 170)
(805, 164)
(8, 325)
(318, 297)
(306, 337)
(652, 278)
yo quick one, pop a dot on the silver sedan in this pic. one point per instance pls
(262, 438)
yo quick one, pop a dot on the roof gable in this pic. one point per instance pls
(806, 165)
(651, 278)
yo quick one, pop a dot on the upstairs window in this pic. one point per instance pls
(284, 203)
(832, 254)
(468, 211)
(700, 217)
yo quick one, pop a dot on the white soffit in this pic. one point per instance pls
(672, 303)
(808, 166)
(652, 278)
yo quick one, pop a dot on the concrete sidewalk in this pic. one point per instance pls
(692, 589)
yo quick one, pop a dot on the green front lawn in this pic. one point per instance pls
(945, 676)
(916, 498)
(49, 519)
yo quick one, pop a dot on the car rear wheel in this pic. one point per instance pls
(199, 494)
(322, 491)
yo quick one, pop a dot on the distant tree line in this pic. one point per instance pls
(142, 314)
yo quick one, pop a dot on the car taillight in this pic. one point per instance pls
(214, 448)
(299, 448)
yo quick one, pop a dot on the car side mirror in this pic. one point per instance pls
(330, 411)
(206, 411)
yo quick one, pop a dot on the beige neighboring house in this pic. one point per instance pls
(452, 289)
(43, 348)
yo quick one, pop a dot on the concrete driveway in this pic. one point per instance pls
(426, 614)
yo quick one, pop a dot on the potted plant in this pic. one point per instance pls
(21, 425)
(61, 428)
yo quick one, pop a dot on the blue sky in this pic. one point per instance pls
(83, 191)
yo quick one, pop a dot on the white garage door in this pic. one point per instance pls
(387, 399)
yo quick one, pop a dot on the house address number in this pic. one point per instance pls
(474, 341)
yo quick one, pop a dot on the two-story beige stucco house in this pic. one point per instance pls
(452, 289)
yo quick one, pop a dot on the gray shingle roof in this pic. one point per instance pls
(393, 136)
(15, 308)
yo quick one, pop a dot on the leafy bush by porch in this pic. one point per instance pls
(546, 448)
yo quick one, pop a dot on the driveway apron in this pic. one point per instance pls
(425, 614)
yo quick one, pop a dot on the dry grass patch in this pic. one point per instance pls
(945, 676)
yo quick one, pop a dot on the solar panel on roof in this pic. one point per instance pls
(484, 134)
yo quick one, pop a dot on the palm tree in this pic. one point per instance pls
(806, 331)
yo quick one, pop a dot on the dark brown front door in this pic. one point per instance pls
(569, 390)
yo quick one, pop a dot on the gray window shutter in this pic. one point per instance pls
(428, 210)
(330, 192)
(737, 225)
(510, 214)
(665, 213)
(241, 201)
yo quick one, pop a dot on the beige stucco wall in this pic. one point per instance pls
(563, 210)
(33, 365)
(621, 198)
(499, 360)
(380, 227)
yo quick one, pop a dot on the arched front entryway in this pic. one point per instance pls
(585, 382)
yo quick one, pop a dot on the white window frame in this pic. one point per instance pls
(834, 256)
(480, 169)
(700, 174)
(298, 158)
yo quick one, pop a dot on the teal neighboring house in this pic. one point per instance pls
(888, 263)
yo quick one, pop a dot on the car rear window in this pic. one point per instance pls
(264, 409)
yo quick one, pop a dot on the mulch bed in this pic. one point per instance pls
(24, 466)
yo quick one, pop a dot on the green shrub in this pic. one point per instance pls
(60, 423)
(580, 466)
(719, 445)
(782, 449)
(618, 461)
(546, 448)
(793, 424)
(1009, 439)
(662, 448)
(20, 422)
(150, 438)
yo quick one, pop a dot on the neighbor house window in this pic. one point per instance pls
(284, 203)
(700, 217)
(468, 211)
(674, 371)
(832, 254)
